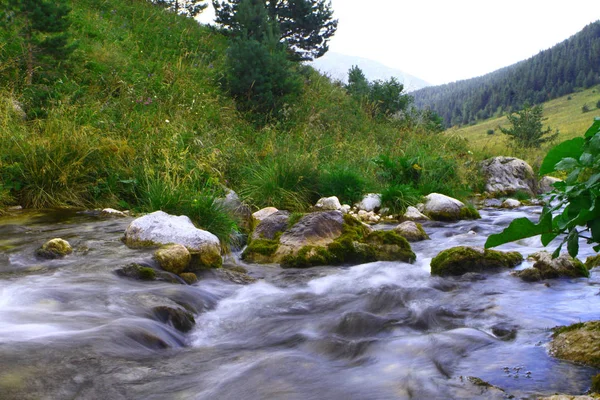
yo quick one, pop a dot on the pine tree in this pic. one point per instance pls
(190, 8)
(42, 26)
(358, 85)
(305, 26)
(527, 129)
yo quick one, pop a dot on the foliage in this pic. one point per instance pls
(574, 199)
(284, 184)
(41, 29)
(552, 73)
(585, 108)
(343, 181)
(190, 8)
(399, 197)
(358, 85)
(526, 129)
(259, 76)
(304, 26)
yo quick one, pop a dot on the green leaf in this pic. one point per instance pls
(571, 148)
(586, 159)
(593, 179)
(520, 228)
(548, 237)
(566, 164)
(595, 128)
(573, 243)
(556, 252)
(597, 248)
(594, 226)
(594, 144)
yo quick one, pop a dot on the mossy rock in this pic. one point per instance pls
(578, 343)
(204, 260)
(529, 275)
(261, 250)
(145, 273)
(189, 277)
(173, 258)
(563, 266)
(411, 231)
(54, 248)
(592, 262)
(390, 246)
(462, 259)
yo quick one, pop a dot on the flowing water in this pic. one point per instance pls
(73, 329)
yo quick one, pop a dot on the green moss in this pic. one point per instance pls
(147, 274)
(568, 328)
(265, 247)
(469, 212)
(595, 384)
(294, 218)
(460, 260)
(308, 256)
(592, 261)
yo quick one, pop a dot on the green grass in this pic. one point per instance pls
(563, 113)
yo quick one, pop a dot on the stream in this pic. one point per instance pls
(72, 329)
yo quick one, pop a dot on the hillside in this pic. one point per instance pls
(137, 118)
(558, 71)
(564, 114)
(337, 65)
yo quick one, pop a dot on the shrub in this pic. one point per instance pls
(287, 185)
(585, 108)
(344, 182)
(398, 197)
(490, 132)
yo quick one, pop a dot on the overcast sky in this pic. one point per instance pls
(442, 41)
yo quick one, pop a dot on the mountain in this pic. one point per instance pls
(336, 65)
(570, 65)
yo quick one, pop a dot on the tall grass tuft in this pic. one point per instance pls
(343, 181)
(399, 197)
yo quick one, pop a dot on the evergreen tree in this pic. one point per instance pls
(305, 26)
(527, 129)
(259, 75)
(358, 85)
(42, 28)
(190, 8)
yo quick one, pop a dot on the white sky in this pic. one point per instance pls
(442, 41)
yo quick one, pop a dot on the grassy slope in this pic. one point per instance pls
(562, 114)
(139, 120)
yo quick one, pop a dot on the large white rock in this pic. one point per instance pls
(507, 175)
(160, 228)
(511, 203)
(546, 184)
(264, 213)
(328, 204)
(370, 202)
(441, 207)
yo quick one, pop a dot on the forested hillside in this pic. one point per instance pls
(560, 70)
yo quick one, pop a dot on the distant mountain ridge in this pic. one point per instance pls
(573, 63)
(336, 65)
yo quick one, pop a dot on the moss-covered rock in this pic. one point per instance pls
(595, 384)
(545, 267)
(440, 207)
(261, 251)
(579, 343)
(189, 277)
(145, 273)
(390, 246)
(208, 258)
(54, 248)
(173, 258)
(529, 275)
(592, 261)
(411, 231)
(462, 259)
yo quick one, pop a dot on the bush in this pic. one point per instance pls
(286, 185)
(598, 104)
(585, 108)
(344, 182)
(490, 132)
(398, 197)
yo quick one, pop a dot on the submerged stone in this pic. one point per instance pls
(180, 319)
(145, 273)
(462, 259)
(54, 248)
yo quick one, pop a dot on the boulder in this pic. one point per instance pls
(180, 319)
(443, 208)
(315, 229)
(545, 267)
(159, 228)
(546, 184)
(232, 204)
(271, 226)
(508, 175)
(328, 204)
(264, 213)
(463, 259)
(413, 214)
(511, 203)
(54, 248)
(411, 231)
(174, 258)
(370, 202)
(578, 343)
(189, 277)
